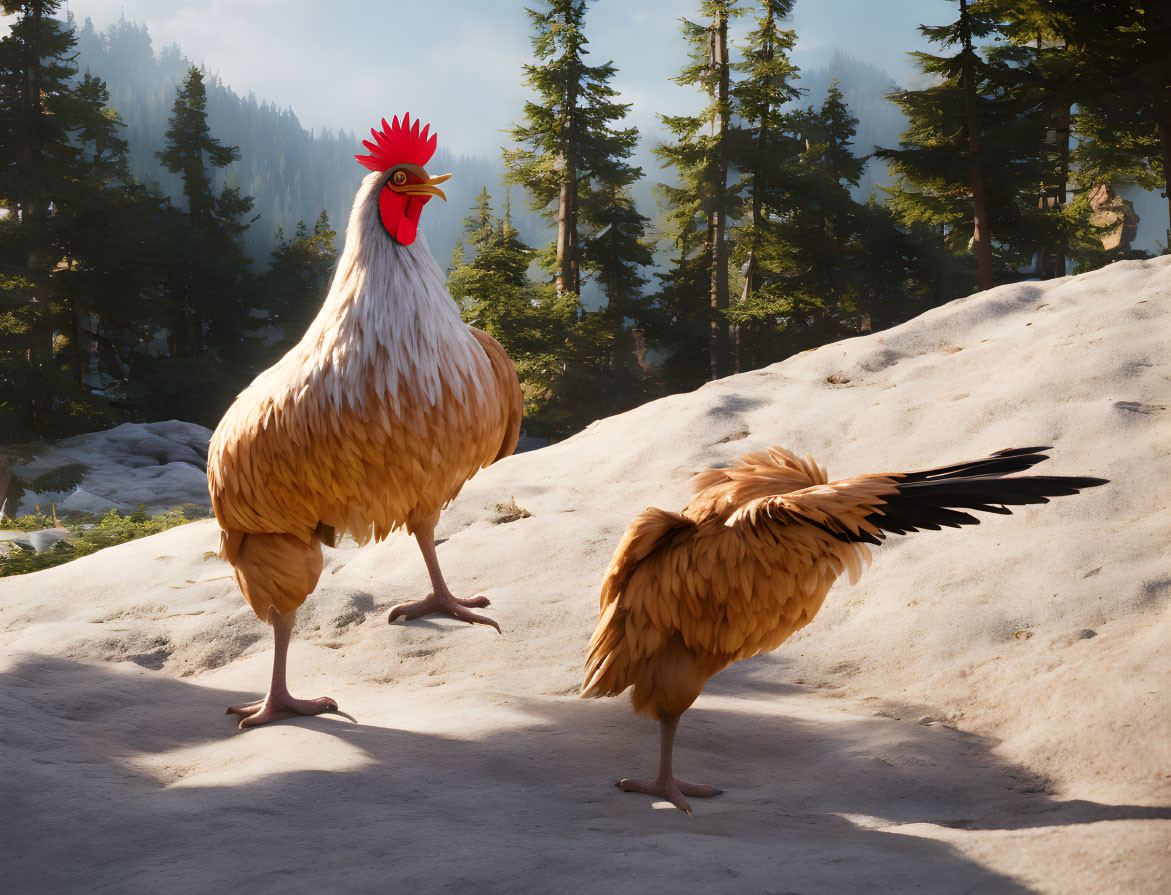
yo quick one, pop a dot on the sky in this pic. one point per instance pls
(458, 63)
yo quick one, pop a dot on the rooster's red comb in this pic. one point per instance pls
(397, 144)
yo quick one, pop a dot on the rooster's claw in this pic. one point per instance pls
(437, 604)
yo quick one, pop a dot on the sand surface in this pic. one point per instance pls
(987, 711)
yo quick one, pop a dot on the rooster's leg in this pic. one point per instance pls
(667, 785)
(279, 700)
(441, 601)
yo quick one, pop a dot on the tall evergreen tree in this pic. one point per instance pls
(1034, 65)
(44, 181)
(700, 207)
(814, 242)
(573, 155)
(966, 28)
(296, 283)
(37, 110)
(213, 332)
(114, 251)
(538, 326)
(212, 265)
(971, 164)
(617, 253)
(768, 83)
(1122, 84)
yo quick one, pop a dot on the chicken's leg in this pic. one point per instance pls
(279, 699)
(441, 601)
(667, 785)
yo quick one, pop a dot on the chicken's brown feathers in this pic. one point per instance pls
(750, 560)
(376, 418)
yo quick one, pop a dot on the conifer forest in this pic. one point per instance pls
(163, 240)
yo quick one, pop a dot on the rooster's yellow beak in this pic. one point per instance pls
(428, 186)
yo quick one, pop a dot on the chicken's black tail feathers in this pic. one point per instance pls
(1001, 463)
(932, 499)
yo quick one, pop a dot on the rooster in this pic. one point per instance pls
(749, 562)
(372, 422)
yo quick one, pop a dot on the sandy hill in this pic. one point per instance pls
(987, 711)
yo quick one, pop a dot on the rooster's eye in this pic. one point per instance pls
(399, 178)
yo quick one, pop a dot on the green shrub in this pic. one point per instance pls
(33, 522)
(112, 528)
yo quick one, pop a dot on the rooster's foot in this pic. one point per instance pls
(444, 604)
(275, 706)
(673, 790)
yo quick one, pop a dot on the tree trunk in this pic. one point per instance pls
(78, 356)
(1156, 19)
(1062, 184)
(1163, 116)
(982, 239)
(719, 273)
(30, 100)
(1063, 175)
(617, 321)
(566, 225)
(754, 230)
(568, 278)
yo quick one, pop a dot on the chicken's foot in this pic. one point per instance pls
(440, 601)
(279, 702)
(667, 785)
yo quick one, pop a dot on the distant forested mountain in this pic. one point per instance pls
(291, 172)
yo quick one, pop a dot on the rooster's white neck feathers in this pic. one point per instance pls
(387, 323)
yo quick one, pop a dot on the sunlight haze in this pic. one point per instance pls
(459, 63)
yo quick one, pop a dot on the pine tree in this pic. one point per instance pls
(213, 266)
(1122, 85)
(296, 282)
(767, 85)
(809, 282)
(43, 178)
(703, 203)
(213, 330)
(616, 253)
(113, 252)
(974, 150)
(573, 155)
(538, 326)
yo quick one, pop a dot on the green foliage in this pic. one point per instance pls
(573, 160)
(94, 264)
(554, 345)
(116, 303)
(209, 277)
(191, 149)
(806, 263)
(574, 118)
(704, 149)
(1119, 81)
(111, 529)
(824, 266)
(934, 163)
(36, 159)
(31, 522)
(292, 289)
(1068, 95)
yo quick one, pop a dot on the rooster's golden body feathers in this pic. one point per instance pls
(375, 419)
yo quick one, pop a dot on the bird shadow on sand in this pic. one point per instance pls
(121, 779)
